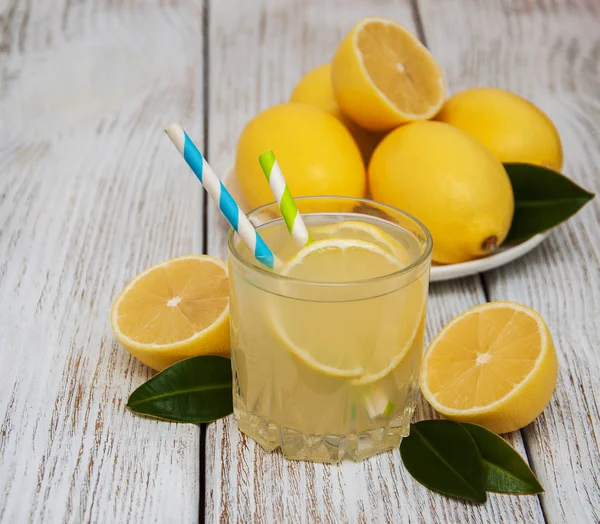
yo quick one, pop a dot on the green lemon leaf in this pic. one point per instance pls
(506, 471)
(443, 456)
(194, 390)
(543, 199)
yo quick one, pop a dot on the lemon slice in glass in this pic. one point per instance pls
(356, 230)
(341, 338)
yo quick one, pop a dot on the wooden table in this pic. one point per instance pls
(91, 192)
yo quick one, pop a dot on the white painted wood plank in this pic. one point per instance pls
(91, 192)
(549, 52)
(256, 57)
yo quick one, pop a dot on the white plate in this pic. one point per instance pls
(503, 256)
(438, 273)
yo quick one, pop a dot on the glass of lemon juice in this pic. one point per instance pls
(326, 350)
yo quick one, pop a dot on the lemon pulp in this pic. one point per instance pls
(175, 310)
(494, 365)
(384, 77)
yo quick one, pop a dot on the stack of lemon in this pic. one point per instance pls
(375, 121)
(362, 125)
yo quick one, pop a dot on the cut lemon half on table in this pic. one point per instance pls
(346, 338)
(494, 365)
(353, 229)
(175, 310)
(383, 76)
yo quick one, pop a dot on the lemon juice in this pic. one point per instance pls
(326, 350)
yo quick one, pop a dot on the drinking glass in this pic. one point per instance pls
(285, 392)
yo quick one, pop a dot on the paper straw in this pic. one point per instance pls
(221, 197)
(289, 211)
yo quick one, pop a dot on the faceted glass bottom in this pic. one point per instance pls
(322, 448)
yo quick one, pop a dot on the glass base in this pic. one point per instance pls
(323, 448)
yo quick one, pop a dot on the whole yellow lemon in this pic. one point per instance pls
(316, 88)
(448, 180)
(511, 127)
(316, 153)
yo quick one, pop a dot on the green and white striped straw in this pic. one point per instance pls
(289, 211)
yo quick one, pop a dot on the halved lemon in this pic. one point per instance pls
(493, 365)
(348, 338)
(384, 77)
(354, 229)
(174, 310)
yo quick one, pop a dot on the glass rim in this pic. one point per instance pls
(259, 268)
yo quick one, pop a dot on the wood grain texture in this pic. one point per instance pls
(267, 50)
(549, 52)
(91, 193)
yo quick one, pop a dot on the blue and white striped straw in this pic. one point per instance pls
(220, 196)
